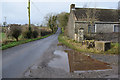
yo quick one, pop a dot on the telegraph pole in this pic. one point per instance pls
(4, 23)
(29, 14)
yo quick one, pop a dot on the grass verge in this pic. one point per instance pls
(15, 43)
(82, 48)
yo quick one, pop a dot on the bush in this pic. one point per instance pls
(35, 34)
(43, 32)
(27, 34)
(15, 32)
(3, 29)
(36, 29)
(89, 37)
(30, 34)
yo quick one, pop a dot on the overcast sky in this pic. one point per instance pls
(16, 12)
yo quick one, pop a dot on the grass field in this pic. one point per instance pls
(15, 43)
(82, 48)
(7, 42)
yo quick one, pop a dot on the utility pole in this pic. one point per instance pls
(4, 23)
(29, 14)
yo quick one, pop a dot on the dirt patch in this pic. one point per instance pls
(79, 61)
(60, 44)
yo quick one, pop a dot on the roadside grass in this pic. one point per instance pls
(82, 48)
(15, 43)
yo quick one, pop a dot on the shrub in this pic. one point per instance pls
(15, 32)
(27, 34)
(30, 34)
(89, 36)
(35, 34)
(36, 29)
(3, 29)
(43, 32)
(8, 33)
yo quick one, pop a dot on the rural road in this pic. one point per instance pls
(17, 59)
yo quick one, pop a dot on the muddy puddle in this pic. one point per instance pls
(60, 61)
(72, 61)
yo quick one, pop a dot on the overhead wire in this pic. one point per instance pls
(36, 7)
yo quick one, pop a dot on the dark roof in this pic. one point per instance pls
(106, 15)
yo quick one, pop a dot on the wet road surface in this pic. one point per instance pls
(17, 59)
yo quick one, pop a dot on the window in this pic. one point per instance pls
(91, 28)
(116, 28)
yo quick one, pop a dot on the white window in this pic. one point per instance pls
(116, 28)
(95, 28)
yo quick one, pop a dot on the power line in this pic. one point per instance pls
(36, 7)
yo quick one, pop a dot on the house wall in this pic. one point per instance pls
(81, 25)
(85, 26)
(104, 28)
(99, 28)
(71, 26)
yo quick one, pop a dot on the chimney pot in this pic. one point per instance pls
(72, 7)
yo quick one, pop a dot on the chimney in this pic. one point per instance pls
(72, 7)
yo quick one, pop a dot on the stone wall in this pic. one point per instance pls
(99, 28)
(114, 37)
(104, 28)
(81, 25)
(71, 26)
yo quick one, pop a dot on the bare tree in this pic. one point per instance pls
(51, 21)
(90, 17)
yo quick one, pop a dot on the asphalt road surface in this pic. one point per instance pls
(17, 59)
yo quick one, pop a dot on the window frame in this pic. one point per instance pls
(116, 25)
